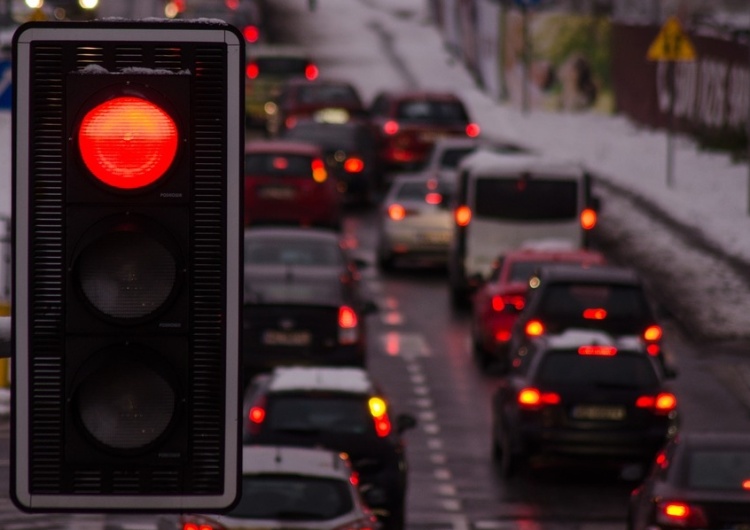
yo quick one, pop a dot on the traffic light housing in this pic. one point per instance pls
(127, 163)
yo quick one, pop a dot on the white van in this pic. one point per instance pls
(503, 201)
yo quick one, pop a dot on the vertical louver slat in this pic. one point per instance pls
(208, 273)
(46, 149)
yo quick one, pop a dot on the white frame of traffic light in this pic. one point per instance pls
(135, 32)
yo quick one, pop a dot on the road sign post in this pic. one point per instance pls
(671, 45)
(127, 153)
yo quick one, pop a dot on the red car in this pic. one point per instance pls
(408, 124)
(289, 182)
(499, 300)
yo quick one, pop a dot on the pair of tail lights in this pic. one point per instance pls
(533, 398)
(462, 216)
(392, 127)
(681, 515)
(512, 303)
(252, 69)
(377, 407)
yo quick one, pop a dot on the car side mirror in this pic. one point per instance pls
(404, 422)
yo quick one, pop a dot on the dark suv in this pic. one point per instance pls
(605, 298)
(338, 408)
(582, 394)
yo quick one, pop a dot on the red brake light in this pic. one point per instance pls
(201, 523)
(379, 412)
(396, 212)
(311, 72)
(251, 33)
(595, 313)
(433, 198)
(472, 130)
(257, 414)
(588, 219)
(746, 484)
(128, 142)
(252, 70)
(354, 165)
(603, 351)
(681, 514)
(319, 172)
(662, 403)
(462, 215)
(347, 317)
(498, 304)
(534, 398)
(534, 328)
(390, 127)
(652, 333)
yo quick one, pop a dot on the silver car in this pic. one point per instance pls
(292, 488)
(415, 223)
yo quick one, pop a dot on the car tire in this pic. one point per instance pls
(508, 463)
(459, 298)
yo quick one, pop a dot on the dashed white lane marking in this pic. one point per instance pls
(424, 403)
(438, 458)
(446, 490)
(451, 505)
(442, 473)
(417, 379)
(421, 390)
(431, 428)
(435, 444)
(427, 415)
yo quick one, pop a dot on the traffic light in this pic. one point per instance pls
(127, 164)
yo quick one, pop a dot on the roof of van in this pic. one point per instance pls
(493, 163)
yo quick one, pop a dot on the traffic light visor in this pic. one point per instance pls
(128, 142)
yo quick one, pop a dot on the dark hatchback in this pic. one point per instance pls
(303, 300)
(607, 298)
(582, 395)
(337, 408)
(699, 480)
(350, 152)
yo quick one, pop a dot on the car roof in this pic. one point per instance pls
(562, 272)
(497, 164)
(421, 94)
(266, 50)
(292, 232)
(282, 146)
(553, 252)
(714, 439)
(321, 378)
(313, 461)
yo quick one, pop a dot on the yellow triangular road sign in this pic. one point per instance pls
(671, 44)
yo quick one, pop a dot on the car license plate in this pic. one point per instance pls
(436, 237)
(431, 136)
(274, 337)
(599, 412)
(277, 192)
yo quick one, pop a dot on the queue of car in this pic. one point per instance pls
(576, 343)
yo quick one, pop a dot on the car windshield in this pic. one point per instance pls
(526, 198)
(431, 112)
(333, 137)
(569, 301)
(284, 251)
(278, 165)
(718, 469)
(319, 413)
(570, 368)
(281, 66)
(292, 498)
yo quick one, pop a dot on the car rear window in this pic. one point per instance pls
(328, 137)
(569, 301)
(319, 413)
(418, 190)
(431, 111)
(327, 94)
(724, 469)
(621, 370)
(526, 199)
(292, 498)
(281, 251)
(281, 66)
(278, 165)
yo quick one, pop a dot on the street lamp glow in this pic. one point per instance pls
(34, 4)
(88, 4)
